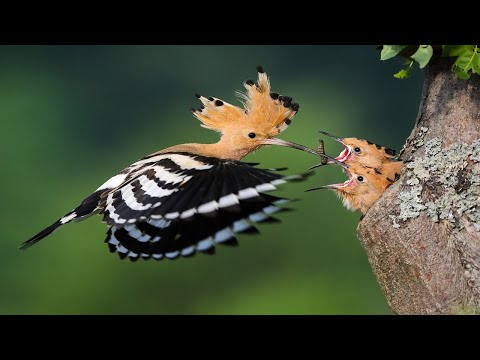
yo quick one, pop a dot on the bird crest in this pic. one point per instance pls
(265, 111)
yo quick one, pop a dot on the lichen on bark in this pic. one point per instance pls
(452, 173)
(422, 236)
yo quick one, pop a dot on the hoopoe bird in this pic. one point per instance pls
(371, 169)
(190, 197)
(383, 160)
(362, 188)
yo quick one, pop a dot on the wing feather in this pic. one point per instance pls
(211, 205)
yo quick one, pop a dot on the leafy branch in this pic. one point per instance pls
(467, 57)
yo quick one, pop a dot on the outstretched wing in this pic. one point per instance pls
(185, 203)
(174, 238)
(179, 185)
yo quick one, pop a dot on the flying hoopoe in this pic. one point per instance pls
(383, 160)
(362, 188)
(189, 197)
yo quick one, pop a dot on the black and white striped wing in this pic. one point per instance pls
(184, 203)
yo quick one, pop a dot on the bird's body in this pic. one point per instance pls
(189, 197)
(363, 187)
(371, 169)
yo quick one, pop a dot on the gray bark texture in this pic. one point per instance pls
(422, 237)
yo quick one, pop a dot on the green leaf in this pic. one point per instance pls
(423, 55)
(461, 74)
(389, 51)
(403, 74)
(476, 66)
(467, 61)
(455, 50)
(467, 58)
(464, 60)
(476, 62)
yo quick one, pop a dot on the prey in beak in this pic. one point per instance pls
(346, 153)
(281, 142)
(327, 160)
(370, 169)
(361, 151)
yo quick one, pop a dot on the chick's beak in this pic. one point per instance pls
(338, 187)
(326, 187)
(340, 140)
(345, 153)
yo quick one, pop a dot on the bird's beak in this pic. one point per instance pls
(338, 187)
(326, 187)
(345, 153)
(330, 161)
(340, 140)
(280, 142)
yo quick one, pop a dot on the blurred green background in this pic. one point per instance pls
(72, 116)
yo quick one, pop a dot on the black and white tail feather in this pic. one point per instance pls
(168, 205)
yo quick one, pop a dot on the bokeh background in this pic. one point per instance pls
(72, 116)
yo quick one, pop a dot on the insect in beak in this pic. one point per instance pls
(345, 153)
(280, 142)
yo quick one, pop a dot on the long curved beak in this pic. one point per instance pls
(326, 187)
(334, 186)
(340, 140)
(280, 142)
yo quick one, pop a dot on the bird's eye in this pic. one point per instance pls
(360, 178)
(357, 150)
(252, 135)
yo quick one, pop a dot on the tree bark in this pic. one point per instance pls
(422, 237)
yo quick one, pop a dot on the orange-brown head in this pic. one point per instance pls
(264, 115)
(362, 188)
(359, 151)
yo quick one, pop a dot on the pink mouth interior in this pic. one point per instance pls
(344, 154)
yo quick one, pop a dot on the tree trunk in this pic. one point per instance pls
(422, 237)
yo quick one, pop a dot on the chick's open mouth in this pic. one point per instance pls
(344, 154)
(346, 183)
(340, 186)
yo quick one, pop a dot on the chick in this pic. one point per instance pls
(383, 160)
(362, 188)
